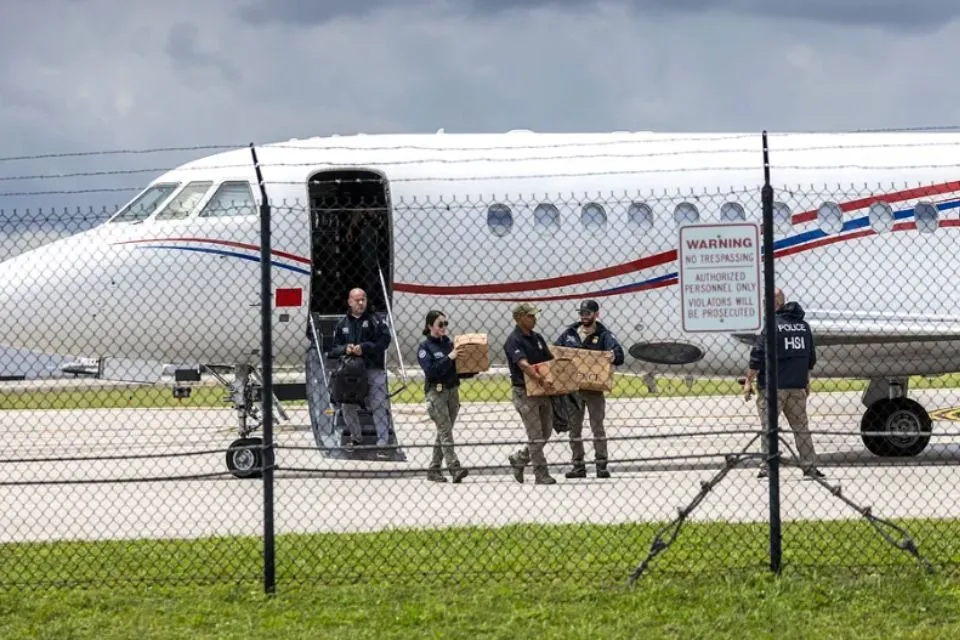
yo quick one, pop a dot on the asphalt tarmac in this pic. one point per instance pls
(161, 473)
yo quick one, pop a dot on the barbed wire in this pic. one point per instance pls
(637, 137)
(115, 152)
(591, 141)
(534, 176)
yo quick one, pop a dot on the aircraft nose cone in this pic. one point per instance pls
(45, 297)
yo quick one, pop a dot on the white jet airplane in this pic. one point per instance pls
(864, 232)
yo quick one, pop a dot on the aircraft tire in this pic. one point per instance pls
(901, 415)
(245, 458)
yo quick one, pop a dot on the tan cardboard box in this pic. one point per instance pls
(562, 372)
(593, 367)
(475, 355)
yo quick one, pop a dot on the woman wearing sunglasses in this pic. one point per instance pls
(437, 358)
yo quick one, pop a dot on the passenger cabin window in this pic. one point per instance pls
(881, 217)
(546, 215)
(830, 217)
(927, 216)
(185, 202)
(231, 199)
(593, 215)
(500, 219)
(732, 212)
(146, 204)
(686, 213)
(639, 214)
(782, 218)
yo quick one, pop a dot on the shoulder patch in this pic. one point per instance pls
(422, 353)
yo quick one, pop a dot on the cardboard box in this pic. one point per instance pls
(594, 368)
(475, 355)
(562, 372)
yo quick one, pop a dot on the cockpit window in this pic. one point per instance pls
(231, 199)
(146, 204)
(185, 202)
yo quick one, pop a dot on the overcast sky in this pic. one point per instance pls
(88, 75)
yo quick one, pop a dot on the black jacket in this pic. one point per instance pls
(368, 331)
(437, 367)
(602, 339)
(796, 354)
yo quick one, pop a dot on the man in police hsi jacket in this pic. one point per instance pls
(796, 357)
(361, 333)
(589, 333)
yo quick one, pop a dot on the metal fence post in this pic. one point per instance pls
(770, 349)
(266, 310)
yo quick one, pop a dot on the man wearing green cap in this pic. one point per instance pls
(524, 348)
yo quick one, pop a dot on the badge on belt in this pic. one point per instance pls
(439, 387)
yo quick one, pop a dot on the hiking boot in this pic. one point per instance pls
(517, 468)
(459, 474)
(577, 472)
(545, 480)
(602, 471)
(435, 476)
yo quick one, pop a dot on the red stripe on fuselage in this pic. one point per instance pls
(227, 243)
(896, 196)
(900, 226)
(545, 283)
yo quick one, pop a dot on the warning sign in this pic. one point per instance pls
(720, 277)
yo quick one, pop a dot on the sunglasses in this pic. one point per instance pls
(442, 324)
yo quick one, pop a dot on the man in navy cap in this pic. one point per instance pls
(588, 333)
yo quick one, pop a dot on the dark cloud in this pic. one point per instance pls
(185, 51)
(894, 14)
(158, 78)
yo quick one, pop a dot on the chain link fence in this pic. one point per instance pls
(135, 447)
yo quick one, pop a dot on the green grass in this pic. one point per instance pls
(515, 582)
(488, 389)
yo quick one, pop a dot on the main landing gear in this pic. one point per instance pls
(904, 424)
(246, 457)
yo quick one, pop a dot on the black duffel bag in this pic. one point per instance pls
(348, 382)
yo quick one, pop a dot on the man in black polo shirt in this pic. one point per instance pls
(524, 348)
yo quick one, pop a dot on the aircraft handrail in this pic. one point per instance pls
(393, 333)
(316, 341)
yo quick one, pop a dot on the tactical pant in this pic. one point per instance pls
(377, 402)
(536, 412)
(792, 403)
(595, 403)
(443, 407)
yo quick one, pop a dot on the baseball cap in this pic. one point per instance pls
(589, 306)
(524, 308)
